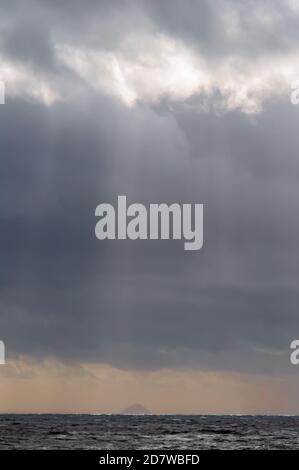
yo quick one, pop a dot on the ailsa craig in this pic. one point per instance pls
(157, 222)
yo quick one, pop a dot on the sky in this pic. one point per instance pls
(172, 101)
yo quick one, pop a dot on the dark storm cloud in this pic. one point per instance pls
(232, 305)
(148, 304)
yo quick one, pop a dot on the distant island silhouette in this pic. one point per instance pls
(136, 409)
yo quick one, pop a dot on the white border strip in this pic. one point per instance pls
(2, 352)
(2, 92)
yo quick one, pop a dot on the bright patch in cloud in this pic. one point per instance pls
(150, 68)
(147, 69)
(22, 81)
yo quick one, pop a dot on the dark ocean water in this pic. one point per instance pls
(148, 432)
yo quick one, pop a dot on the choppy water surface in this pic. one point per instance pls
(148, 432)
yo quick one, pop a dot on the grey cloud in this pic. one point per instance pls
(205, 25)
(146, 304)
(261, 28)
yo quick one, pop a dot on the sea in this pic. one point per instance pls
(116, 432)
